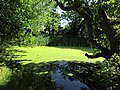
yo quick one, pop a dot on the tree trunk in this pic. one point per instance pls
(109, 31)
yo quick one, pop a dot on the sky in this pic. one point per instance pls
(63, 22)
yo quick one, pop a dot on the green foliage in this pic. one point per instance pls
(13, 17)
(8, 19)
(5, 74)
(42, 16)
(18, 15)
(67, 40)
(42, 40)
(5, 54)
(111, 67)
(110, 73)
(39, 40)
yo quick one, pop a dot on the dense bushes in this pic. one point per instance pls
(110, 73)
(4, 53)
(67, 41)
(104, 75)
(43, 40)
(35, 41)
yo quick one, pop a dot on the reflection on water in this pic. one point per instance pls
(65, 83)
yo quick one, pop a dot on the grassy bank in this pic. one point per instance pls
(46, 54)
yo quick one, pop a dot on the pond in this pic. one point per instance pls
(60, 76)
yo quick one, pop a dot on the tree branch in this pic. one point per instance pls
(108, 30)
(105, 54)
(94, 56)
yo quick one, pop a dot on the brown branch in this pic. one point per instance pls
(106, 54)
(94, 56)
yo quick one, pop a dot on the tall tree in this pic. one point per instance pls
(101, 21)
(15, 15)
(43, 16)
(20, 16)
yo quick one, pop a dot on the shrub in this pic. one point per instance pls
(35, 41)
(109, 74)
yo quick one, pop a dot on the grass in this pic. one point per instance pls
(40, 54)
(46, 54)
(5, 74)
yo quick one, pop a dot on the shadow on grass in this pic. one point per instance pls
(16, 50)
(86, 49)
(11, 53)
(32, 76)
(37, 76)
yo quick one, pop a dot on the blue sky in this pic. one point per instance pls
(63, 22)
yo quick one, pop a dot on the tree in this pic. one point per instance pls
(102, 23)
(15, 16)
(43, 17)
(18, 19)
(19, 16)
(52, 24)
